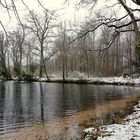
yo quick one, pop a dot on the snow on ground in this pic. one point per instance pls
(105, 80)
(128, 130)
(78, 76)
(119, 80)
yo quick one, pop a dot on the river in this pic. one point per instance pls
(24, 103)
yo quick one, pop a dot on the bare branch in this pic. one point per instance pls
(136, 2)
(50, 55)
(43, 6)
(108, 45)
(4, 30)
(106, 24)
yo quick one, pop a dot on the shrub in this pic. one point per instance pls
(26, 77)
(5, 74)
(78, 75)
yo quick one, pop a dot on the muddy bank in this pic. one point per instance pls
(72, 127)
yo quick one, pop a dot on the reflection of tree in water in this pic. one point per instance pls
(18, 108)
(62, 100)
(71, 99)
(71, 104)
(29, 102)
(2, 100)
(41, 102)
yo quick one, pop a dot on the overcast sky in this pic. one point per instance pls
(66, 11)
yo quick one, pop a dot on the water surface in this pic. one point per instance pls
(22, 103)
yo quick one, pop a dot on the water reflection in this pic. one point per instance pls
(22, 104)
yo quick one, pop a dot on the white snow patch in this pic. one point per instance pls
(90, 130)
(42, 79)
(75, 76)
(129, 129)
(126, 131)
(119, 80)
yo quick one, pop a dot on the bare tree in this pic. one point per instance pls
(62, 45)
(4, 71)
(16, 40)
(41, 27)
(130, 18)
(29, 54)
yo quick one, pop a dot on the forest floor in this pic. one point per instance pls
(71, 128)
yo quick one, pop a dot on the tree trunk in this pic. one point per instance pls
(137, 35)
(87, 63)
(137, 50)
(20, 63)
(41, 62)
(63, 68)
(45, 70)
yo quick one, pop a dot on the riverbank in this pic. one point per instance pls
(129, 129)
(72, 127)
(95, 80)
(98, 80)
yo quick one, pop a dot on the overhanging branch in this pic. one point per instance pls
(108, 45)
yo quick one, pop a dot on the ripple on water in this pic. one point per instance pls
(22, 104)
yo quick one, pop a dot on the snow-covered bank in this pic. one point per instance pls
(96, 80)
(78, 77)
(128, 130)
(117, 80)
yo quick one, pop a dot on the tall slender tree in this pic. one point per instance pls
(41, 27)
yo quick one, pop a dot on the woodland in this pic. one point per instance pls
(105, 43)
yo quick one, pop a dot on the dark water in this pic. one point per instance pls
(22, 104)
